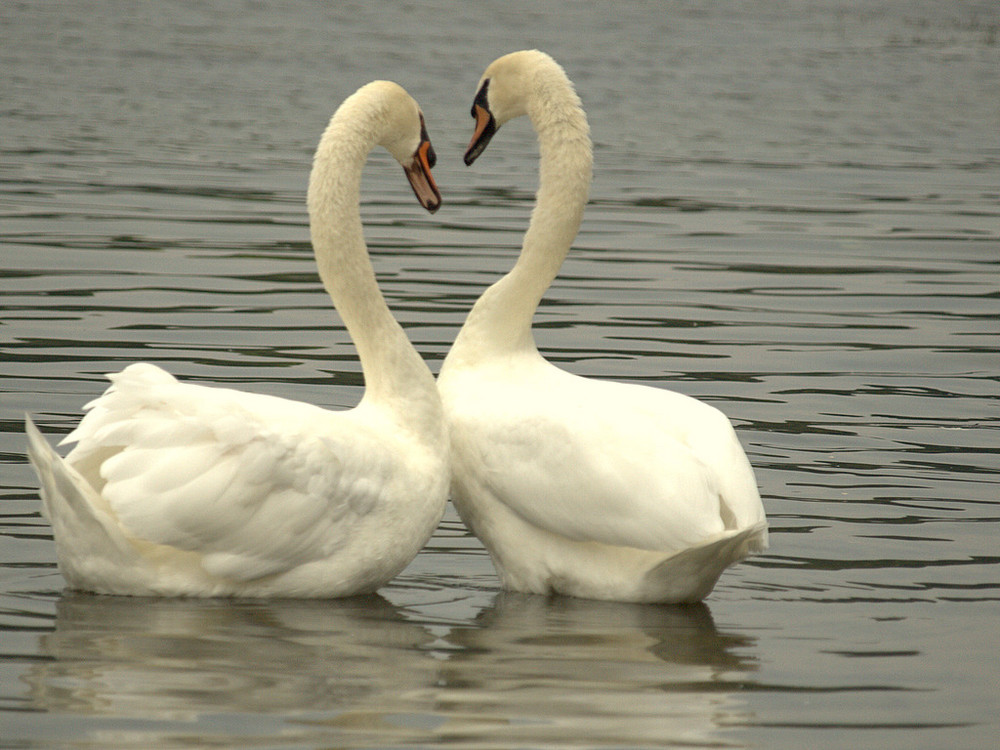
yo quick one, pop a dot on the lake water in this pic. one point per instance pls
(795, 217)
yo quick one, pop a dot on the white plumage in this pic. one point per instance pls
(576, 486)
(179, 489)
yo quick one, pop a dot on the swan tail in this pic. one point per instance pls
(45, 461)
(690, 575)
(85, 536)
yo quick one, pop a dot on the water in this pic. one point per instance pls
(795, 216)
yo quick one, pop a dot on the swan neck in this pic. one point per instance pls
(565, 164)
(392, 368)
(501, 319)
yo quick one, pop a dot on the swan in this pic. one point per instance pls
(581, 487)
(176, 489)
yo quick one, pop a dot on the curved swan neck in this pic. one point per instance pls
(501, 319)
(565, 164)
(392, 368)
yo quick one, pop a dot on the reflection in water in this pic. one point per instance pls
(178, 658)
(538, 669)
(528, 669)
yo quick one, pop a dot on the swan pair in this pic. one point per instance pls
(580, 487)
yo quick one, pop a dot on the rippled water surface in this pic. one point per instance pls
(795, 217)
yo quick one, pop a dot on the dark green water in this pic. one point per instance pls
(795, 216)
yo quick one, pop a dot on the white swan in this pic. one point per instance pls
(589, 488)
(177, 489)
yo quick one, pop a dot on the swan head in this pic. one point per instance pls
(507, 90)
(388, 113)
(405, 137)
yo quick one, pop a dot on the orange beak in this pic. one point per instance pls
(419, 173)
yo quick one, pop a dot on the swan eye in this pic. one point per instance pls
(481, 99)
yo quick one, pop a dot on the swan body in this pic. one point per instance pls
(588, 488)
(180, 489)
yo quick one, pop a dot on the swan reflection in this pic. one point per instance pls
(178, 659)
(524, 669)
(536, 668)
